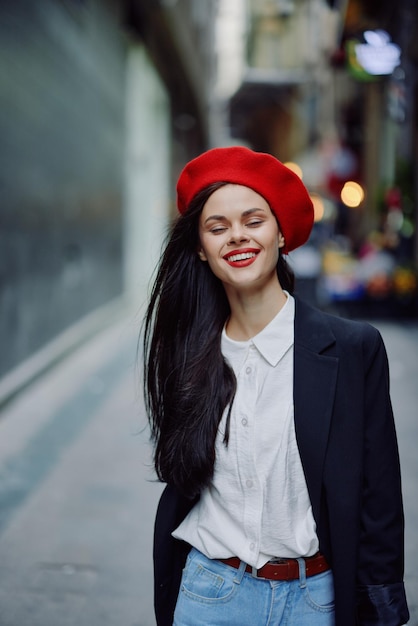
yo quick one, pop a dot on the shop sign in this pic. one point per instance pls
(377, 56)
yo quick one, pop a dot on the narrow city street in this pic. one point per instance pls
(78, 496)
(115, 115)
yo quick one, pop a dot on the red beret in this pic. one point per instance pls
(280, 187)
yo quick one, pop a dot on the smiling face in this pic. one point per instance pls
(240, 238)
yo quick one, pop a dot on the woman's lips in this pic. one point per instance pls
(241, 258)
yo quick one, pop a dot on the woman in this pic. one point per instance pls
(272, 421)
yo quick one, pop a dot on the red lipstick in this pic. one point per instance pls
(241, 257)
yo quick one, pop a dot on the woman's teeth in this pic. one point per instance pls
(241, 257)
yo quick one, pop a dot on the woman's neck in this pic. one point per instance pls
(250, 313)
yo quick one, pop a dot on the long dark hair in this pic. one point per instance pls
(187, 382)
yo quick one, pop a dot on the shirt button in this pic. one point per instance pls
(248, 370)
(252, 546)
(249, 483)
(244, 421)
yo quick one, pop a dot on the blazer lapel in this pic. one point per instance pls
(315, 377)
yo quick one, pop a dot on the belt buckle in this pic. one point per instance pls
(278, 560)
(274, 561)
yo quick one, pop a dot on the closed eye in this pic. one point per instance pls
(217, 230)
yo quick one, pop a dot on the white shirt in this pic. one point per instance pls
(257, 506)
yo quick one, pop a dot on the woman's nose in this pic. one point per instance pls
(238, 234)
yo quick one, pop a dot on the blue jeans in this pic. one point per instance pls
(215, 594)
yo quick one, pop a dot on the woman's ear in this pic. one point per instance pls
(202, 256)
(281, 240)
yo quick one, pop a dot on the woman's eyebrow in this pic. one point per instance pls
(254, 210)
(214, 217)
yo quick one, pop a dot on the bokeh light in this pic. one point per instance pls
(318, 205)
(352, 194)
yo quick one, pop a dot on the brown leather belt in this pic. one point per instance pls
(283, 569)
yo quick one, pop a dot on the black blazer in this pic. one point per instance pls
(347, 443)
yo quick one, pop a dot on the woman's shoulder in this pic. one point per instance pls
(344, 330)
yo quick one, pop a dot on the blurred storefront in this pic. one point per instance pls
(333, 86)
(374, 269)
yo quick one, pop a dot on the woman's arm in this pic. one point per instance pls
(381, 597)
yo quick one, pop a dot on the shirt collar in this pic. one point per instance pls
(277, 337)
(272, 342)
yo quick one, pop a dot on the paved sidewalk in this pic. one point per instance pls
(77, 501)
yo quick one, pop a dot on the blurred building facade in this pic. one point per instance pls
(102, 101)
(378, 116)
(283, 101)
(333, 85)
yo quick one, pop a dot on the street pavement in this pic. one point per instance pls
(78, 495)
